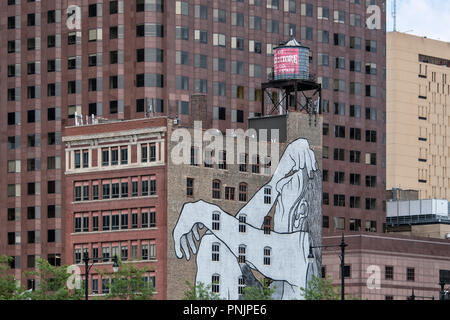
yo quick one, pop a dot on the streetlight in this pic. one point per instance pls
(115, 265)
(87, 268)
(342, 245)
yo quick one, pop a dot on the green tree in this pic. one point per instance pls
(259, 293)
(52, 283)
(320, 289)
(129, 283)
(200, 291)
(10, 289)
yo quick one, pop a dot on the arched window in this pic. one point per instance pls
(242, 251)
(215, 249)
(243, 192)
(215, 283)
(267, 253)
(216, 220)
(241, 285)
(267, 195)
(216, 186)
(242, 223)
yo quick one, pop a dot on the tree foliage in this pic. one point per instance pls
(9, 287)
(52, 283)
(129, 283)
(259, 293)
(200, 291)
(320, 289)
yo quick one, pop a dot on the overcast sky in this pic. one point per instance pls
(426, 18)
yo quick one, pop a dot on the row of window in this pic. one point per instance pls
(354, 201)
(215, 223)
(116, 188)
(34, 237)
(355, 133)
(210, 161)
(355, 156)
(53, 258)
(242, 251)
(113, 221)
(410, 273)
(354, 224)
(34, 140)
(134, 251)
(53, 162)
(15, 214)
(354, 179)
(54, 113)
(105, 282)
(34, 188)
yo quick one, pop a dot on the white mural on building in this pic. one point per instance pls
(234, 245)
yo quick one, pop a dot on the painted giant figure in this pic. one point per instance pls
(240, 242)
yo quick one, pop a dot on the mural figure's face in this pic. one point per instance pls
(292, 208)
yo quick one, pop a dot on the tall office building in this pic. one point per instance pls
(129, 57)
(418, 154)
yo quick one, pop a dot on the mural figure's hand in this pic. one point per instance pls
(184, 233)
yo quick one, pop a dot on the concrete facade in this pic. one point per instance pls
(417, 118)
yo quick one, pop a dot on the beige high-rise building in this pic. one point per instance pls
(418, 118)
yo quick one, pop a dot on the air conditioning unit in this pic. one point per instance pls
(447, 236)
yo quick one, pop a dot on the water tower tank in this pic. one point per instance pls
(291, 61)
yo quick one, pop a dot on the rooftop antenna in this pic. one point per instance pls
(394, 14)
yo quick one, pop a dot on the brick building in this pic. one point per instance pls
(404, 263)
(115, 198)
(152, 53)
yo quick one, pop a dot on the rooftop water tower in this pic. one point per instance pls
(291, 86)
(291, 61)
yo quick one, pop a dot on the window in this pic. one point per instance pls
(355, 225)
(215, 283)
(339, 177)
(410, 274)
(326, 222)
(215, 252)
(243, 192)
(355, 203)
(371, 226)
(216, 186)
(339, 154)
(389, 273)
(242, 223)
(189, 187)
(216, 220)
(229, 193)
(105, 222)
(268, 195)
(242, 250)
(339, 200)
(347, 271)
(267, 253)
